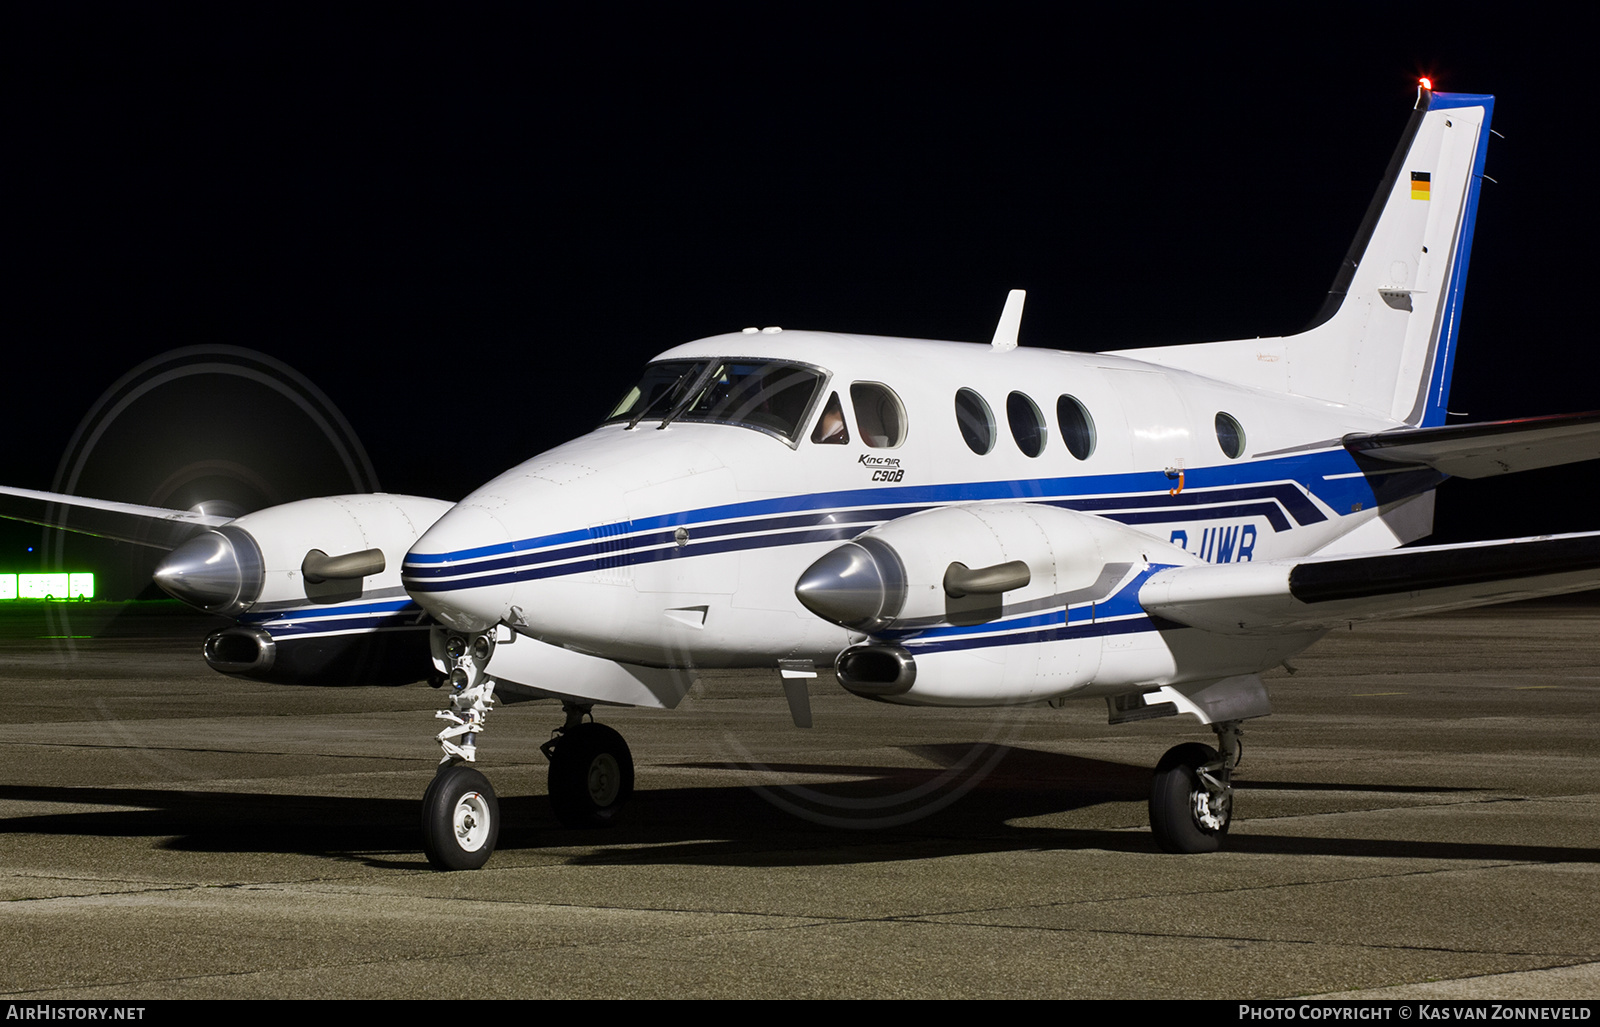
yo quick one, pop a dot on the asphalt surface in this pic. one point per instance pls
(1419, 818)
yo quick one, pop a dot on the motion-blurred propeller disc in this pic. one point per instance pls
(218, 429)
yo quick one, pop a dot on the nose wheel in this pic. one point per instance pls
(591, 774)
(460, 819)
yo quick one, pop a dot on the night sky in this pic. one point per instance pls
(471, 230)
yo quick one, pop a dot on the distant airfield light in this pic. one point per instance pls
(47, 586)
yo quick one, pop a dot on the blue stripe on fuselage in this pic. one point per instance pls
(1266, 488)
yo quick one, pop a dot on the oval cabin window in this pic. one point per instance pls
(1027, 424)
(975, 421)
(1077, 427)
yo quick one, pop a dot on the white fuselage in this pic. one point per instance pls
(681, 545)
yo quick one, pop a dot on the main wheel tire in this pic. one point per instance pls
(1184, 816)
(460, 819)
(591, 775)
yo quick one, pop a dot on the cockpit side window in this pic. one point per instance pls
(880, 416)
(831, 429)
(770, 397)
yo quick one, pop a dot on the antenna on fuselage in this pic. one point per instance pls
(1005, 333)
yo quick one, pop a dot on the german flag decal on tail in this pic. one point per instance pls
(1420, 185)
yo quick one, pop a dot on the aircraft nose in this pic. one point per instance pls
(218, 571)
(861, 585)
(460, 569)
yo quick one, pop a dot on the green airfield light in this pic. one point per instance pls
(74, 585)
(41, 586)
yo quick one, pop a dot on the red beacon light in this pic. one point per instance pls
(1426, 83)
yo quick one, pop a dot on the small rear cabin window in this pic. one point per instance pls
(1027, 424)
(975, 421)
(880, 416)
(1230, 435)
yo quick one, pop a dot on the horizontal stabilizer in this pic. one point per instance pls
(1488, 448)
(1323, 592)
(152, 526)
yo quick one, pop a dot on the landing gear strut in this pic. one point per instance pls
(1191, 795)
(591, 771)
(460, 814)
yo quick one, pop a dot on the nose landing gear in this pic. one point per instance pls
(460, 814)
(591, 769)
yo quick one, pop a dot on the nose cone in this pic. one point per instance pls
(463, 570)
(860, 585)
(218, 571)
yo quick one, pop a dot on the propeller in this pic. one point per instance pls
(216, 430)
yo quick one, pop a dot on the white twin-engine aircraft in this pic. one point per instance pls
(940, 523)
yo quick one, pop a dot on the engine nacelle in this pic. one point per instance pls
(1002, 603)
(315, 588)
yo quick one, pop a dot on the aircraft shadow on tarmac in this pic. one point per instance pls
(860, 814)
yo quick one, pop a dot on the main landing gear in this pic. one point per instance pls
(1191, 794)
(591, 769)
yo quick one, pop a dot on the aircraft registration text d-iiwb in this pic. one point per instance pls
(941, 523)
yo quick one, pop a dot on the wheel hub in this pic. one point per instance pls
(471, 821)
(605, 779)
(1210, 811)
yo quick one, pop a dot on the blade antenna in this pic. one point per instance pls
(1005, 333)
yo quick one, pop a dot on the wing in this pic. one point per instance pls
(1322, 592)
(152, 526)
(1488, 447)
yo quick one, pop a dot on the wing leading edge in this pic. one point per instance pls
(1323, 592)
(152, 526)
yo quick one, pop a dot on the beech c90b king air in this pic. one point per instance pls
(940, 523)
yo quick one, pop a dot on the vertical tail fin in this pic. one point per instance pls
(1385, 339)
(1386, 336)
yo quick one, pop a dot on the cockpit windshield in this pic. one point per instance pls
(768, 396)
(660, 391)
